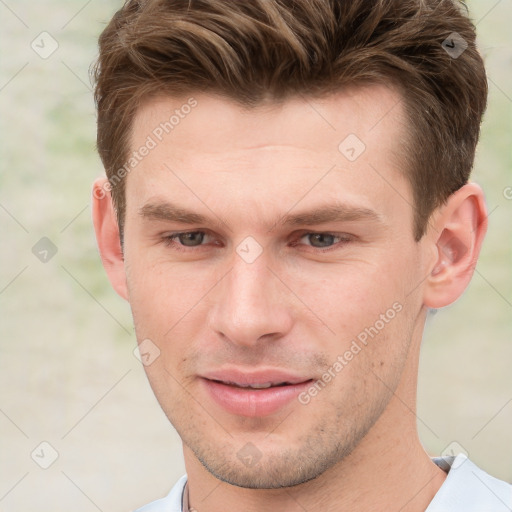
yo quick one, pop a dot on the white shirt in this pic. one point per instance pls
(466, 489)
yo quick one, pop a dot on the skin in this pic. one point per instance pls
(298, 306)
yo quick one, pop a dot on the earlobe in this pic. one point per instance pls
(459, 233)
(107, 236)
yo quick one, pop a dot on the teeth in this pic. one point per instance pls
(265, 385)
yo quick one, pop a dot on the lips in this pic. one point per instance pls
(244, 378)
(252, 394)
(255, 385)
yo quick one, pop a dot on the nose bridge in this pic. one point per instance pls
(249, 282)
(249, 303)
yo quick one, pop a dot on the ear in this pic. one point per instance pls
(457, 233)
(107, 236)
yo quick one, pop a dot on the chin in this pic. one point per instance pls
(271, 471)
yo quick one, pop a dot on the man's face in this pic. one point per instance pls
(302, 271)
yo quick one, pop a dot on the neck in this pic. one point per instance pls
(388, 470)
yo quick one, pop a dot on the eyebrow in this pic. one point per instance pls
(165, 211)
(171, 213)
(330, 213)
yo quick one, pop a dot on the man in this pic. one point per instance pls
(287, 195)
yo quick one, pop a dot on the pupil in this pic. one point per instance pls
(323, 240)
(190, 239)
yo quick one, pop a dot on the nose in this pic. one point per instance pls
(251, 305)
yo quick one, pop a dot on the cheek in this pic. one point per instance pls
(162, 293)
(367, 366)
(369, 314)
(169, 305)
(349, 297)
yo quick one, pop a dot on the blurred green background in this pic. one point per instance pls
(67, 371)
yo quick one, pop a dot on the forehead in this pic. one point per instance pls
(318, 124)
(205, 146)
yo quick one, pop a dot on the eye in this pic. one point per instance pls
(186, 239)
(191, 238)
(325, 240)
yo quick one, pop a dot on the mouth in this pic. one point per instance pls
(264, 385)
(256, 394)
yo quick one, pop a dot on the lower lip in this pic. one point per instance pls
(253, 402)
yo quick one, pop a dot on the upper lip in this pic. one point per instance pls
(254, 377)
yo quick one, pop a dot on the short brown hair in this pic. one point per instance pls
(252, 50)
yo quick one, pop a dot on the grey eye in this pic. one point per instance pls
(191, 239)
(321, 239)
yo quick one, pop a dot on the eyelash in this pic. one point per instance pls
(169, 240)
